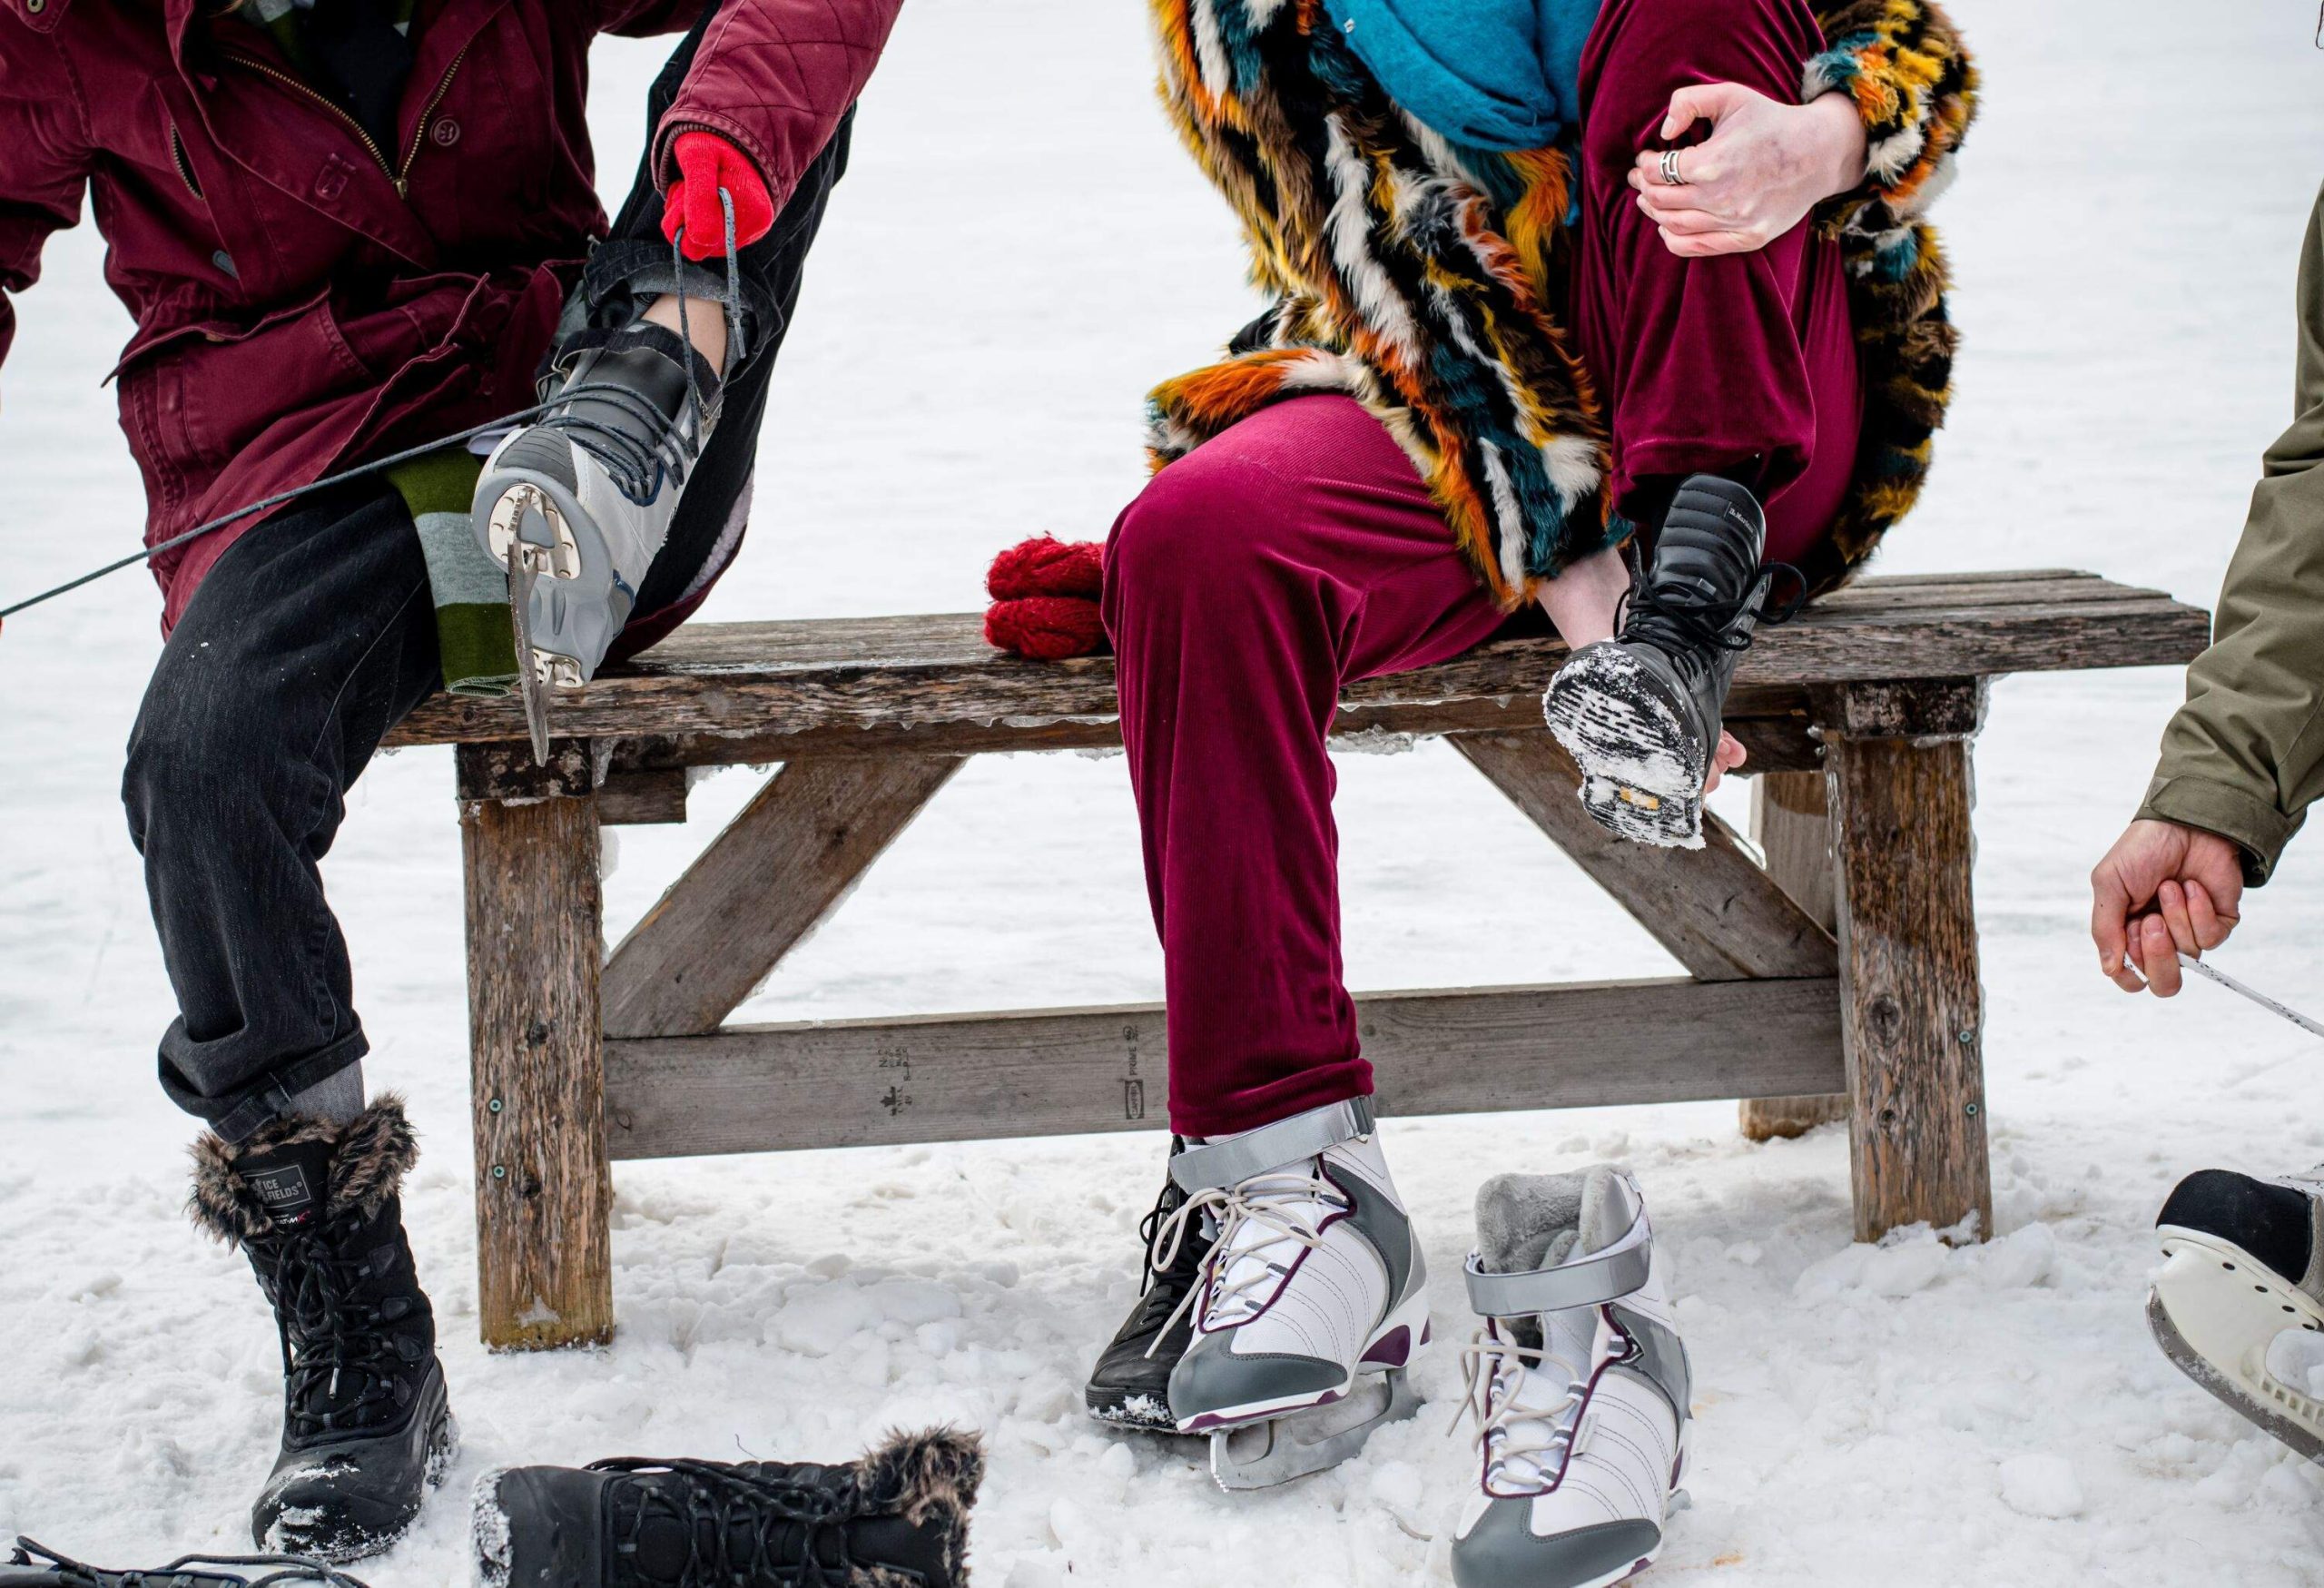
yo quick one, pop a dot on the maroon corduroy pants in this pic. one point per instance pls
(1299, 551)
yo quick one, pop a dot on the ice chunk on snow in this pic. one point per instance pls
(818, 1319)
(2041, 1485)
(913, 1301)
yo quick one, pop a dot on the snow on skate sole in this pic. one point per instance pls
(2215, 1310)
(1641, 772)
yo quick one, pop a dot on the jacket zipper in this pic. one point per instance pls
(184, 163)
(401, 178)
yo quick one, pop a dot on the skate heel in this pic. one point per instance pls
(1399, 1338)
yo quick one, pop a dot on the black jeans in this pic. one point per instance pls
(313, 637)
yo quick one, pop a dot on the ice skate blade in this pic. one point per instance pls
(2215, 1311)
(531, 685)
(525, 515)
(1642, 773)
(1261, 1456)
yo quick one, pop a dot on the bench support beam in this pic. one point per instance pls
(1718, 913)
(779, 868)
(1911, 1012)
(536, 1063)
(1791, 823)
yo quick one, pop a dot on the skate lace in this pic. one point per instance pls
(1496, 1369)
(736, 1524)
(327, 1337)
(641, 461)
(1681, 625)
(1293, 1205)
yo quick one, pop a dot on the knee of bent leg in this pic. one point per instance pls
(1202, 527)
(202, 743)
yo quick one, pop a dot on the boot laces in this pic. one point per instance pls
(650, 450)
(1682, 626)
(1523, 1442)
(330, 1340)
(735, 1523)
(1164, 1284)
(1285, 1208)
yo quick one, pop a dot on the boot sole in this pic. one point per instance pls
(580, 569)
(2214, 1310)
(1642, 773)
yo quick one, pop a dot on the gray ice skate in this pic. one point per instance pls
(1311, 1303)
(1577, 1384)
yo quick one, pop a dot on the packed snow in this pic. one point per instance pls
(1019, 248)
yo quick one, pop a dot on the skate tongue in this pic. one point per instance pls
(290, 1184)
(1526, 1222)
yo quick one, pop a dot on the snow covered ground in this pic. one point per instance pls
(1019, 248)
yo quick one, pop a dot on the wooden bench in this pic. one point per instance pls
(1849, 956)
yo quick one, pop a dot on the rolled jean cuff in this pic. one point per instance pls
(238, 1114)
(1316, 1088)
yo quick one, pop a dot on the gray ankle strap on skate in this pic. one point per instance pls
(1271, 1147)
(1601, 1277)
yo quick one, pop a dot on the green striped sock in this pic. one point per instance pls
(473, 633)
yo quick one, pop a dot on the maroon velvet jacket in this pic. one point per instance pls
(305, 298)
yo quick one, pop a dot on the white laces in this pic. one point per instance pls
(1291, 1204)
(1498, 1371)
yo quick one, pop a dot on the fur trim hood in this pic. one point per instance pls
(369, 1156)
(1415, 276)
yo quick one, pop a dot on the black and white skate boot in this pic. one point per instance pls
(1640, 714)
(1130, 1386)
(366, 1425)
(2239, 1303)
(1578, 1385)
(897, 1518)
(1311, 1303)
(575, 504)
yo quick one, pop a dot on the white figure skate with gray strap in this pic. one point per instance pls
(1311, 1305)
(1577, 1383)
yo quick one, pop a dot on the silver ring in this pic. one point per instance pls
(1670, 168)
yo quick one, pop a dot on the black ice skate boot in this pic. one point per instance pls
(1640, 714)
(897, 1518)
(2239, 1303)
(1130, 1386)
(366, 1427)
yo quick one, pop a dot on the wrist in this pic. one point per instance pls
(1842, 130)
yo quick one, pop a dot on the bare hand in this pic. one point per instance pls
(1764, 167)
(1729, 755)
(2162, 891)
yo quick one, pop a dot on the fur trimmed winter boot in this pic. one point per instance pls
(366, 1425)
(897, 1518)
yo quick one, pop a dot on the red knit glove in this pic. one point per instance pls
(707, 162)
(1045, 599)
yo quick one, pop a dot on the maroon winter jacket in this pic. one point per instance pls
(304, 297)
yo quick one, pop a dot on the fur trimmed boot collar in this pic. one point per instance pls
(369, 1156)
(931, 1476)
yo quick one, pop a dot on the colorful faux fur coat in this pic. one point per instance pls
(1416, 277)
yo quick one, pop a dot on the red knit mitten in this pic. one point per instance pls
(707, 162)
(1045, 599)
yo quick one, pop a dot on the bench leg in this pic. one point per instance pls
(543, 1200)
(1911, 1016)
(1791, 824)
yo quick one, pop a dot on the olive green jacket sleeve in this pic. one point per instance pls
(2244, 757)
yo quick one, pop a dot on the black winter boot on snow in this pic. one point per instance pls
(1130, 1386)
(1640, 714)
(366, 1426)
(897, 1518)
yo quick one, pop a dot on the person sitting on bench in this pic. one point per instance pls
(1529, 311)
(2238, 1304)
(347, 227)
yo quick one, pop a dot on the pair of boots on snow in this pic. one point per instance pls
(1285, 1297)
(368, 1429)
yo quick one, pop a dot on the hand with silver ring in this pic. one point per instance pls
(1765, 166)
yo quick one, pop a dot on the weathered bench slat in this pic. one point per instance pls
(782, 865)
(1718, 913)
(1057, 1072)
(863, 674)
